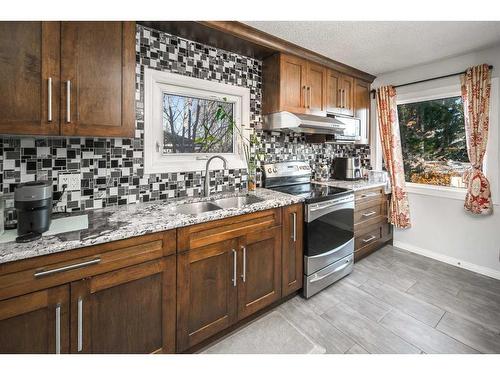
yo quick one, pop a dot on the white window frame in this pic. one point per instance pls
(451, 89)
(424, 95)
(156, 83)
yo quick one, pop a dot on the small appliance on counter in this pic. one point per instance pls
(33, 203)
(347, 169)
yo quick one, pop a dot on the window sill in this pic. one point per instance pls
(436, 191)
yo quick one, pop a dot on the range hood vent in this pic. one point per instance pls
(302, 123)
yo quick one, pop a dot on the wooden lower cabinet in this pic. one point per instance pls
(130, 310)
(206, 292)
(36, 323)
(293, 249)
(260, 281)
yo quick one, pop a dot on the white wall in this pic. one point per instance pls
(440, 227)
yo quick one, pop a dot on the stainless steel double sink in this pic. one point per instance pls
(196, 208)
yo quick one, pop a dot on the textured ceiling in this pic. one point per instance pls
(380, 47)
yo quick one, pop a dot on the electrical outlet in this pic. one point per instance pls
(71, 180)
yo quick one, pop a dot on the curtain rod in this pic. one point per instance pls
(426, 80)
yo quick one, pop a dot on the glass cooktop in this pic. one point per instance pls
(311, 191)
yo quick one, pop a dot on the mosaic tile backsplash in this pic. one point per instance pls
(112, 171)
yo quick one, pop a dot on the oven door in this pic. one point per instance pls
(329, 234)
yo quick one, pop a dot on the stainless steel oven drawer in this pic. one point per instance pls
(317, 262)
(327, 276)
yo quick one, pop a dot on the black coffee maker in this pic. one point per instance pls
(33, 203)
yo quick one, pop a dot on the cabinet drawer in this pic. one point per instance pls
(367, 195)
(368, 214)
(36, 274)
(367, 238)
(204, 234)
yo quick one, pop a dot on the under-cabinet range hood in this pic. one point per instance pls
(302, 123)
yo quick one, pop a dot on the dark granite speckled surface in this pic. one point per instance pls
(120, 222)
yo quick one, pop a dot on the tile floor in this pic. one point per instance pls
(393, 302)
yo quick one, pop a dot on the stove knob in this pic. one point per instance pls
(275, 169)
(269, 170)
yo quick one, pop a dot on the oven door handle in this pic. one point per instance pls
(315, 212)
(339, 268)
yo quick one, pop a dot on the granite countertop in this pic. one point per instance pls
(356, 185)
(120, 222)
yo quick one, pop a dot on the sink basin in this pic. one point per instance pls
(196, 208)
(237, 202)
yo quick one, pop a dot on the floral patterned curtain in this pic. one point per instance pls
(390, 137)
(476, 88)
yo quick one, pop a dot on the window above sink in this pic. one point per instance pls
(181, 126)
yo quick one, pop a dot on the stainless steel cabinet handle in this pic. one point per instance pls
(371, 238)
(340, 96)
(234, 267)
(343, 98)
(367, 214)
(58, 328)
(244, 274)
(294, 226)
(310, 97)
(304, 88)
(67, 268)
(80, 324)
(318, 278)
(49, 99)
(68, 101)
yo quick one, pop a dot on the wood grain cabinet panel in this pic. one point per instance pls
(333, 91)
(362, 108)
(207, 292)
(260, 270)
(316, 89)
(130, 310)
(36, 323)
(347, 86)
(293, 84)
(29, 78)
(293, 249)
(98, 75)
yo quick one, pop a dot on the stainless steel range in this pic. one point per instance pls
(329, 223)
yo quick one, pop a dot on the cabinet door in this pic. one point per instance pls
(207, 290)
(36, 323)
(98, 79)
(347, 99)
(293, 84)
(130, 310)
(29, 77)
(316, 89)
(333, 91)
(259, 270)
(362, 108)
(293, 252)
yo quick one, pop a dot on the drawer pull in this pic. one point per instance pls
(235, 265)
(58, 328)
(80, 325)
(369, 239)
(368, 195)
(368, 214)
(318, 278)
(67, 268)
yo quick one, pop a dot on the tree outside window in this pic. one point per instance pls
(433, 141)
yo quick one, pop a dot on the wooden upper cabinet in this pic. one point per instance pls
(98, 78)
(29, 78)
(347, 99)
(293, 252)
(206, 291)
(260, 270)
(333, 91)
(36, 323)
(316, 89)
(293, 84)
(362, 108)
(130, 310)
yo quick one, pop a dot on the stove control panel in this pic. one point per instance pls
(287, 169)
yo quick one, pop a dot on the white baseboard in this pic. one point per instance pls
(490, 272)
